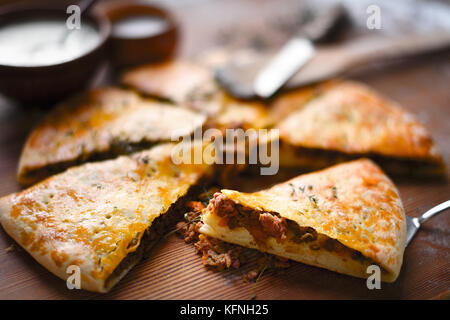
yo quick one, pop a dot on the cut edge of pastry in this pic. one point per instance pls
(319, 252)
(316, 158)
(28, 175)
(150, 238)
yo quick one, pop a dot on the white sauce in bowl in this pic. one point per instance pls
(38, 42)
(142, 26)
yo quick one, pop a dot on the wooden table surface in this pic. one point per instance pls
(174, 270)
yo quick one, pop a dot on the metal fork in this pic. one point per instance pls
(413, 224)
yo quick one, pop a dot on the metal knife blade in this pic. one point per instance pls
(295, 54)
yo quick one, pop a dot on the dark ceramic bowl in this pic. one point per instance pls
(131, 51)
(47, 84)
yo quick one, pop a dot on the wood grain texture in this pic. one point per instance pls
(174, 271)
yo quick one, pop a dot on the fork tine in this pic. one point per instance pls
(413, 224)
(411, 229)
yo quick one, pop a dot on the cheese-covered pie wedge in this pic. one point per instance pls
(97, 125)
(344, 218)
(192, 85)
(349, 120)
(183, 82)
(173, 80)
(100, 216)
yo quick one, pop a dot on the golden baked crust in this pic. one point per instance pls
(173, 80)
(284, 104)
(354, 203)
(193, 86)
(352, 119)
(100, 123)
(236, 113)
(183, 82)
(96, 214)
(242, 114)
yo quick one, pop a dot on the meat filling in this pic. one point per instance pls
(273, 225)
(262, 225)
(259, 224)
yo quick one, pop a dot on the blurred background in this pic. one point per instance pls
(265, 23)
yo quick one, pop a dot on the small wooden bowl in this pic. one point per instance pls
(47, 84)
(131, 51)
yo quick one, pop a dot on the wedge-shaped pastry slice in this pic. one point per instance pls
(285, 103)
(100, 124)
(344, 218)
(183, 82)
(173, 80)
(350, 120)
(100, 216)
(192, 85)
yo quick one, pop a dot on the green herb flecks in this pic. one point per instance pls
(334, 191)
(314, 201)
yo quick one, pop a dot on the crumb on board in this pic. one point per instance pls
(11, 248)
(220, 255)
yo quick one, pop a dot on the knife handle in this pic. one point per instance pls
(282, 66)
(337, 60)
(382, 49)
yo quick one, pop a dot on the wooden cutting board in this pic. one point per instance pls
(174, 270)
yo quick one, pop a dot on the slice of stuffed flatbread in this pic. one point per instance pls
(344, 218)
(348, 121)
(100, 124)
(100, 216)
(192, 85)
(182, 82)
(174, 80)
